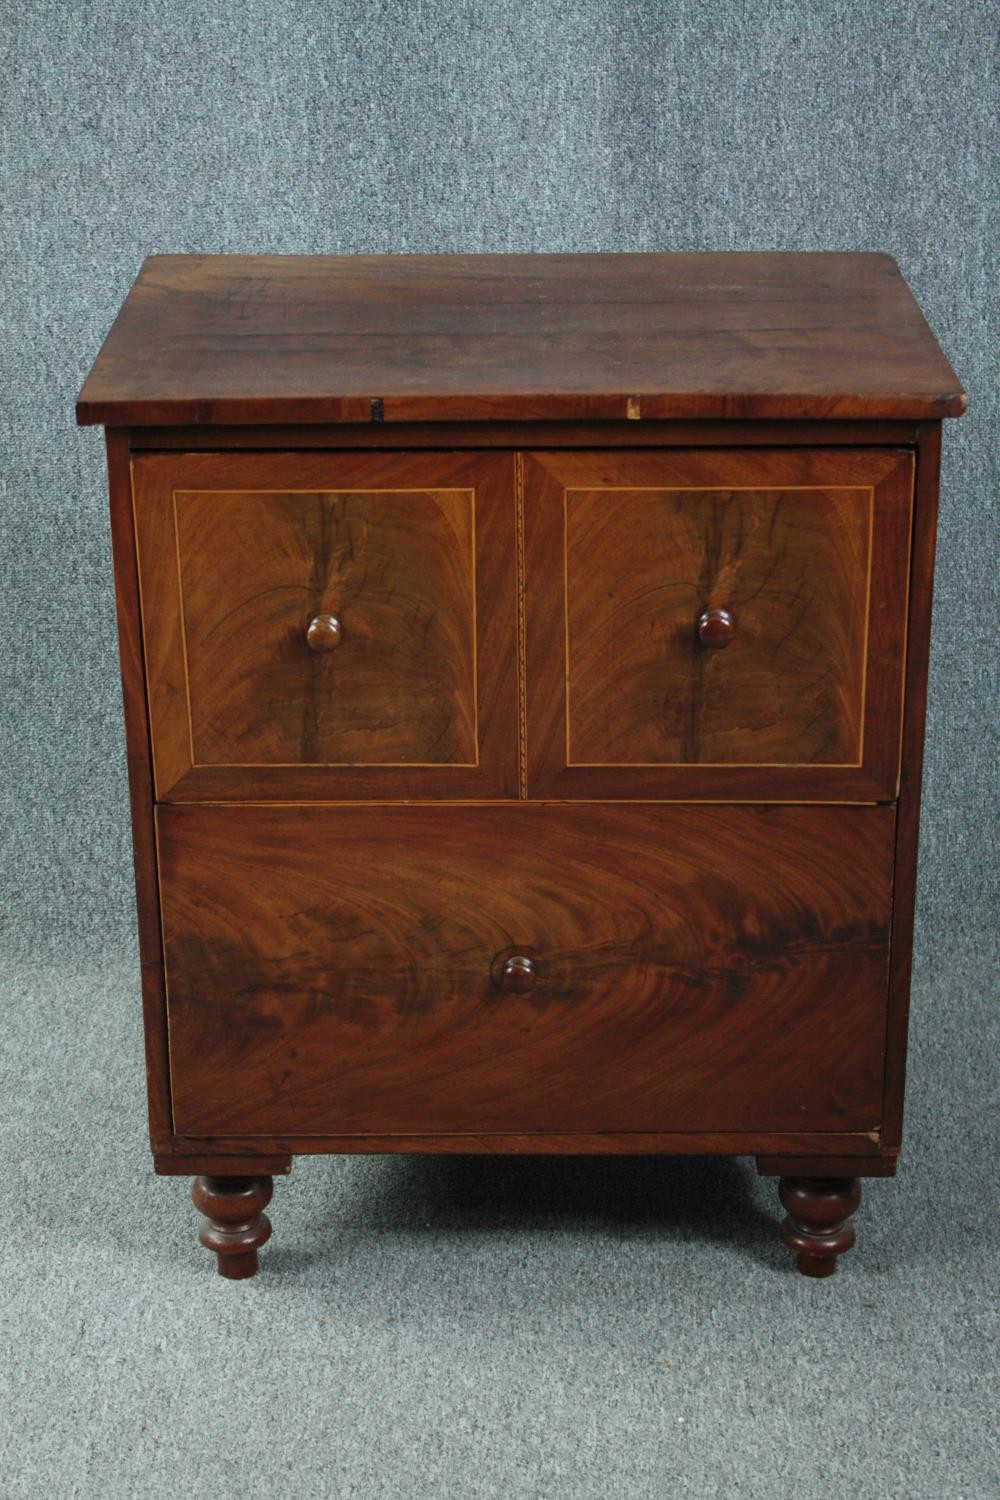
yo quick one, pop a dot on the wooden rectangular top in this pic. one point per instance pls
(255, 338)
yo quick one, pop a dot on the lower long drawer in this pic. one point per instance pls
(519, 968)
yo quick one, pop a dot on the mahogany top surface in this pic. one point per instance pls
(254, 338)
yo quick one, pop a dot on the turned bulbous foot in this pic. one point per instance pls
(819, 1226)
(235, 1224)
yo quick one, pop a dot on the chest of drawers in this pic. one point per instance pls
(524, 665)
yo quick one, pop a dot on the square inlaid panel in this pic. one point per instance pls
(320, 630)
(717, 615)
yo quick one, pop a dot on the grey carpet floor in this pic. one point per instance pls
(468, 1327)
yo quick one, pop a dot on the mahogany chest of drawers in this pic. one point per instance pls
(524, 667)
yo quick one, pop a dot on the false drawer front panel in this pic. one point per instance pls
(329, 625)
(420, 970)
(718, 624)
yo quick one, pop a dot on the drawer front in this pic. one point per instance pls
(717, 624)
(329, 625)
(401, 970)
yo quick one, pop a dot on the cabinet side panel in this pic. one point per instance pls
(925, 508)
(140, 784)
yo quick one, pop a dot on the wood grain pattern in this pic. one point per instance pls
(396, 567)
(807, 550)
(335, 971)
(414, 557)
(206, 339)
(787, 568)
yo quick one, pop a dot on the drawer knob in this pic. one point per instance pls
(715, 627)
(323, 633)
(518, 975)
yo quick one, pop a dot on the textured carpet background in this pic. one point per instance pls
(463, 1329)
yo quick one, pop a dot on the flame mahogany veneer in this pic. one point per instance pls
(524, 663)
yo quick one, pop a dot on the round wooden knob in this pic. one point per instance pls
(323, 633)
(715, 628)
(518, 975)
